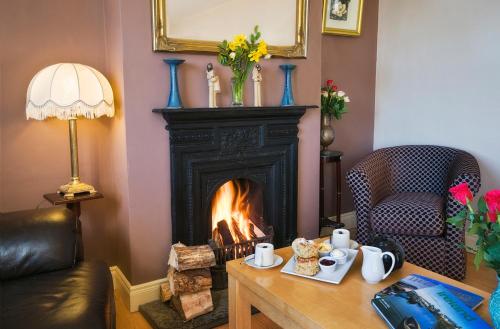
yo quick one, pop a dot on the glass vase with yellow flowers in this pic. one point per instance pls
(240, 55)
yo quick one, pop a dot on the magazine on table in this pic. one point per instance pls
(415, 281)
(426, 308)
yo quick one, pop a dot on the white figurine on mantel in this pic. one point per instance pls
(257, 79)
(213, 86)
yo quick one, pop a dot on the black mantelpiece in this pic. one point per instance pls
(210, 146)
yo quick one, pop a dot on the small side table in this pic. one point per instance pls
(329, 157)
(73, 204)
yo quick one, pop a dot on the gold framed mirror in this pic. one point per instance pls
(192, 26)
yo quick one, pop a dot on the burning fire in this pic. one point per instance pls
(231, 214)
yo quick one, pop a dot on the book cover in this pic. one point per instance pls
(427, 308)
(415, 281)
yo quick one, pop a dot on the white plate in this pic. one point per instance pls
(334, 277)
(250, 261)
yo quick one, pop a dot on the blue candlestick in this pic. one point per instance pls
(287, 99)
(174, 98)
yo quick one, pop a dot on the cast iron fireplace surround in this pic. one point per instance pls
(208, 147)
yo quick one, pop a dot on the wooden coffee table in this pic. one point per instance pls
(295, 302)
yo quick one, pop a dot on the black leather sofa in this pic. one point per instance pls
(44, 282)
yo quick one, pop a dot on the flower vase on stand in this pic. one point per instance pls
(327, 135)
(495, 305)
(333, 105)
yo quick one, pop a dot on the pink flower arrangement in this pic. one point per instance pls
(333, 100)
(483, 223)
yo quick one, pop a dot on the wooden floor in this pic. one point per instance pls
(484, 279)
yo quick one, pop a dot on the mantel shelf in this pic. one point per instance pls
(181, 115)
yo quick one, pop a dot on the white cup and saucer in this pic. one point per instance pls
(264, 257)
(340, 239)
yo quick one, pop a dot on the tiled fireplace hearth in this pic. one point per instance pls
(252, 151)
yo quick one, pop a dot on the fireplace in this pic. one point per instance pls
(233, 174)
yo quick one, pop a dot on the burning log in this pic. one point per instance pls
(216, 238)
(236, 230)
(189, 281)
(225, 233)
(251, 228)
(191, 305)
(189, 258)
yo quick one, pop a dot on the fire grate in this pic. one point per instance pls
(241, 249)
(229, 252)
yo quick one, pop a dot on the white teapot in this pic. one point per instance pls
(373, 267)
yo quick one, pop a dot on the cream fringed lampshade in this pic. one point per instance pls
(67, 91)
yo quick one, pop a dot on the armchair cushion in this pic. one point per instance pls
(409, 213)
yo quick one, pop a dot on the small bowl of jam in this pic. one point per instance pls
(327, 264)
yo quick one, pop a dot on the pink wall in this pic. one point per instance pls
(146, 87)
(115, 182)
(351, 63)
(35, 154)
(127, 157)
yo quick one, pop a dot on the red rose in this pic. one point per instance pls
(461, 193)
(335, 88)
(492, 199)
(329, 83)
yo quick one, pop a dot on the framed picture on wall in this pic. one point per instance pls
(342, 17)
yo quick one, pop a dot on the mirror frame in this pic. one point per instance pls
(161, 41)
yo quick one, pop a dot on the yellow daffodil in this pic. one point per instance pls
(232, 46)
(240, 38)
(255, 56)
(262, 47)
(238, 41)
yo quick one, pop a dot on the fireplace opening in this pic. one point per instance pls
(238, 224)
(237, 212)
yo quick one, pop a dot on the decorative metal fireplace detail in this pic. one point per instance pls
(209, 147)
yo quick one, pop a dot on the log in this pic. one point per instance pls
(251, 228)
(225, 233)
(217, 238)
(165, 292)
(184, 258)
(237, 231)
(189, 281)
(191, 305)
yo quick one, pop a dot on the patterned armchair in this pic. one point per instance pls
(402, 192)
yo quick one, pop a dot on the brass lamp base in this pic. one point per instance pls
(75, 187)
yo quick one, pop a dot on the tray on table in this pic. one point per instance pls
(335, 277)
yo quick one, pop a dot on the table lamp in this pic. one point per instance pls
(67, 91)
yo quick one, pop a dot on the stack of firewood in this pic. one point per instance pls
(189, 280)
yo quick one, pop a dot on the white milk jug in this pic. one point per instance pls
(373, 267)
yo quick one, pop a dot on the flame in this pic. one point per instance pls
(231, 202)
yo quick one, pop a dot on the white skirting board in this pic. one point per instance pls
(133, 296)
